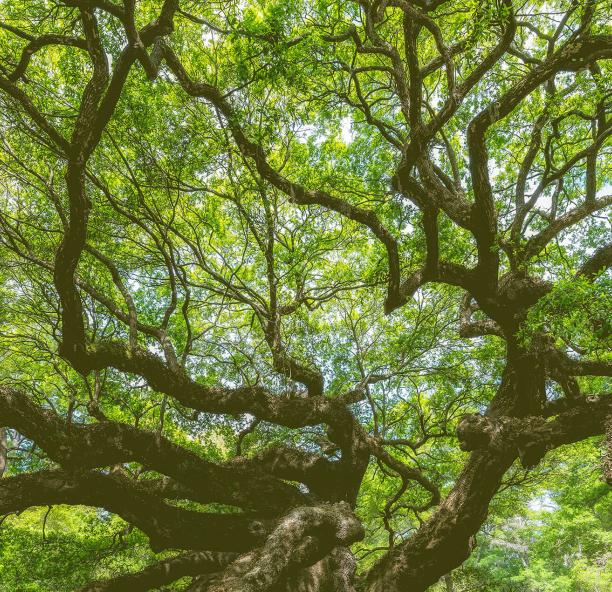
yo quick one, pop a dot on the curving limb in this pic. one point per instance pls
(82, 447)
(301, 539)
(167, 527)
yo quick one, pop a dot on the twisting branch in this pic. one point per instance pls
(37, 43)
(298, 520)
(470, 328)
(537, 243)
(297, 193)
(301, 538)
(98, 103)
(532, 437)
(574, 55)
(165, 525)
(78, 447)
(422, 135)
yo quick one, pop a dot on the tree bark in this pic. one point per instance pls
(3, 451)
(447, 538)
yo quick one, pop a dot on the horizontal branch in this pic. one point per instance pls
(578, 367)
(325, 478)
(107, 443)
(290, 412)
(329, 480)
(165, 525)
(444, 272)
(534, 436)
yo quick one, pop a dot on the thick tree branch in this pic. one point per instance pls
(532, 437)
(323, 477)
(78, 447)
(165, 525)
(256, 400)
(577, 366)
(446, 539)
(302, 538)
(597, 263)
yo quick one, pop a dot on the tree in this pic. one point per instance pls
(270, 267)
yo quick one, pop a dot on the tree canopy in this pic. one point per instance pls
(305, 295)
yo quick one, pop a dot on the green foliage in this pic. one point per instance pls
(560, 539)
(186, 221)
(63, 548)
(578, 312)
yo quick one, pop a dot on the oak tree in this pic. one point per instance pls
(281, 276)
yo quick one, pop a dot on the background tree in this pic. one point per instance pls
(270, 269)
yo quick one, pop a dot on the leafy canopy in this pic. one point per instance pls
(269, 270)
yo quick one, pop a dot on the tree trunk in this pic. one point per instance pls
(447, 538)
